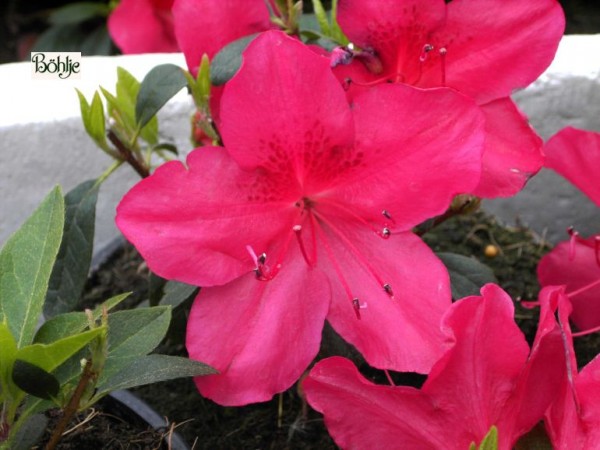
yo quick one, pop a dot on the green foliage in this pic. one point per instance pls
(75, 255)
(489, 442)
(226, 63)
(158, 87)
(467, 275)
(176, 293)
(26, 262)
(78, 12)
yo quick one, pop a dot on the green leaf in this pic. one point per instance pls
(166, 148)
(34, 380)
(467, 275)
(152, 369)
(321, 16)
(71, 323)
(50, 356)
(75, 255)
(8, 353)
(26, 262)
(133, 333)
(97, 42)
(229, 59)
(158, 86)
(77, 13)
(490, 441)
(176, 293)
(96, 120)
(30, 433)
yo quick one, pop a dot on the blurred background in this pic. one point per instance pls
(67, 25)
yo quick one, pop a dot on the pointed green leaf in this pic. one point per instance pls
(229, 59)
(50, 356)
(336, 32)
(152, 369)
(28, 436)
(26, 262)
(467, 275)
(34, 380)
(158, 87)
(71, 323)
(128, 86)
(8, 353)
(321, 16)
(134, 333)
(75, 255)
(97, 124)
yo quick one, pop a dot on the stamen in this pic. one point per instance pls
(443, 52)
(352, 214)
(389, 377)
(388, 290)
(586, 332)
(385, 213)
(424, 54)
(354, 300)
(585, 288)
(574, 234)
(358, 255)
(357, 307)
(298, 232)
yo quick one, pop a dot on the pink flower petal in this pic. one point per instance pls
(361, 415)
(408, 163)
(495, 46)
(485, 378)
(260, 335)
(153, 29)
(303, 136)
(400, 333)
(194, 224)
(575, 154)
(512, 152)
(575, 265)
(491, 47)
(207, 26)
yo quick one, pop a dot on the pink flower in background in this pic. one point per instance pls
(573, 420)
(487, 377)
(575, 154)
(207, 26)
(305, 216)
(483, 48)
(576, 264)
(143, 26)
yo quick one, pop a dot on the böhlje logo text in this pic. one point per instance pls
(55, 65)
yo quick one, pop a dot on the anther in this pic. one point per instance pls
(426, 49)
(386, 233)
(388, 290)
(357, 307)
(386, 214)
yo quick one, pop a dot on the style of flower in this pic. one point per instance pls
(206, 27)
(484, 49)
(573, 420)
(305, 216)
(143, 26)
(488, 377)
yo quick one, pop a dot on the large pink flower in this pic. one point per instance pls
(207, 26)
(573, 420)
(483, 48)
(487, 377)
(143, 26)
(576, 264)
(305, 215)
(575, 154)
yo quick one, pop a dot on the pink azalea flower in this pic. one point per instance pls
(207, 26)
(575, 154)
(305, 216)
(484, 49)
(576, 264)
(573, 420)
(143, 26)
(487, 377)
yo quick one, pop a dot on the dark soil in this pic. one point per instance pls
(286, 422)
